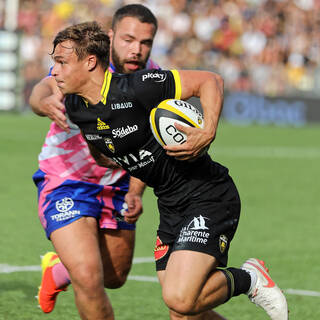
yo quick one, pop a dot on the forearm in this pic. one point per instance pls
(136, 186)
(43, 89)
(208, 86)
(211, 98)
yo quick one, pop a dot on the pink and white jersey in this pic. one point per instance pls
(67, 156)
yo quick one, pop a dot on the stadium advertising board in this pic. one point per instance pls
(10, 88)
(245, 108)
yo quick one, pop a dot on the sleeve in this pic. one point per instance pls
(49, 74)
(150, 87)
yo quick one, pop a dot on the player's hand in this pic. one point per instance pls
(197, 141)
(54, 109)
(134, 203)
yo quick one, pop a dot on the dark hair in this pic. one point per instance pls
(142, 13)
(89, 38)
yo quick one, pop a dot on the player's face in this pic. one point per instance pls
(68, 71)
(131, 43)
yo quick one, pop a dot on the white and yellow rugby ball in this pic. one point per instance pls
(168, 112)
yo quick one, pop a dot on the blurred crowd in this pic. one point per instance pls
(269, 47)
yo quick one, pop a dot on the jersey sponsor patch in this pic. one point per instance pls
(123, 105)
(196, 231)
(101, 125)
(93, 137)
(156, 76)
(64, 207)
(124, 131)
(135, 161)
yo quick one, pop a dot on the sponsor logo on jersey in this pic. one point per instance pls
(124, 131)
(64, 207)
(160, 249)
(123, 105)
(109, 144)
(223, 242)
(102, 125)
(195, 231)
(135, 161)
(92, 137)
(158, 77)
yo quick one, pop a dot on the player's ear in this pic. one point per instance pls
(91, 62)
(110, 35)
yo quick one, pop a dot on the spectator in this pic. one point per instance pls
(269, 47)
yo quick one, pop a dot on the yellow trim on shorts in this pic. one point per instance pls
(177, 81)
(106, 86)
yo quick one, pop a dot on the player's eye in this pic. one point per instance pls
(147, 43)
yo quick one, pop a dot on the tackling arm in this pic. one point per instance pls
(46, 101)
(133, 198)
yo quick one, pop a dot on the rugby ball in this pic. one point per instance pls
(168, 112)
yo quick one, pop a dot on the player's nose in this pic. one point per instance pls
(136, 48)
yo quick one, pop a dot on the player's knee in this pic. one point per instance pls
(115, 281)
(116, 278)
(88, 279)
(178, 302)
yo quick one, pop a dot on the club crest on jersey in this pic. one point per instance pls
(102, 125)
(223, 242)
(109, 144)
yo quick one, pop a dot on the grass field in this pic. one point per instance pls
(278, 176)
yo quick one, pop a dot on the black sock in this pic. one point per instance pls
(238, 281)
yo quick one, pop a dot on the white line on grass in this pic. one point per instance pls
(6, 268)
(144, 278)
(281, 152)
(303, 292)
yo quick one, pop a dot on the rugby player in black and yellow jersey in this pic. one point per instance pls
(198, 202)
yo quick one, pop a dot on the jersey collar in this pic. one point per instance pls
(105, 87)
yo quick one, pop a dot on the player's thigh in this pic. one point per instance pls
(116, 248)
(77, 245)
(186, 273)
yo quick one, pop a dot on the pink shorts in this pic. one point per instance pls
(61, 202)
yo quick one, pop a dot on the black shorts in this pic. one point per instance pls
(207, 223)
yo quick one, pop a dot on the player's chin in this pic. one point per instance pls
(63, 89)
(133, 67)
